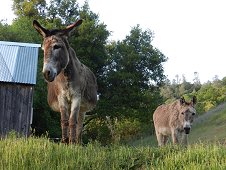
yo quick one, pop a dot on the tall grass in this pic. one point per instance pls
(40, 153)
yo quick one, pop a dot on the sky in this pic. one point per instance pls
(190, 33)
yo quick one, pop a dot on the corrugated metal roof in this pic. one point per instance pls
(18, 62)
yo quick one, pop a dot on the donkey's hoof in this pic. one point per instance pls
(65, 140)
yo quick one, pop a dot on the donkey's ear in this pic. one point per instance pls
(41, 30)
(71, 27)
(194, 100)
(182, 100)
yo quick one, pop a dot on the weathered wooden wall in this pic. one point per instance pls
(15, 108)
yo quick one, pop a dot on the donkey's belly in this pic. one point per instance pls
(88, 98)
(86, 106)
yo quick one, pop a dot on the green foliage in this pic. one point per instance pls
(6, 33)
(24, 31)
(209, 95)
(29, 8)
(126, 129)
(97, 130)
(66, 11)
(133, 71)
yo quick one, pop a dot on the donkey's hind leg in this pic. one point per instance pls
(79, 127)
(165, 139)
(160, 139)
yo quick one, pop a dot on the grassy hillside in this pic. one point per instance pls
(209, 127)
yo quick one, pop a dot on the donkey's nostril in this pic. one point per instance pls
(48, 75)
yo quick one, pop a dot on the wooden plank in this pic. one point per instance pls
(12, 107)
(2, 108)
(15, 108)
(25, 102)
(7, 111)
(19, 111)
(16, 102)
(4, 90)
(29, 108)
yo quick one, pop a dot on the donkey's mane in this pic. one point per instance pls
(53, 32)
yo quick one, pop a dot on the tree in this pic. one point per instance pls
(29, 8)
(133, 74)
(64, 10)
(5, 32)
(196, 81)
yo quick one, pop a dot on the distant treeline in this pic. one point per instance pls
(209, 94)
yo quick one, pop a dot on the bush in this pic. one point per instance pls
(109, 131)
(97, 129)
(127, 129)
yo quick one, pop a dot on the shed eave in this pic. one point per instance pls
(20, 44)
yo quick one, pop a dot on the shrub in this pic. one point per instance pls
(127, 129)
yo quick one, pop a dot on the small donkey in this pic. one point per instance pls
(72, 87)
(174, 120)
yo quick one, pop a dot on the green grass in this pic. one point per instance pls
(40, 153)
(207, 150)
(211, 129)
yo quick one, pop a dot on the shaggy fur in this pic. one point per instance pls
(72, 87)
(174, 120)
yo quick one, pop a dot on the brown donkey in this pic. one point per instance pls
(174, 120)
(72, 87)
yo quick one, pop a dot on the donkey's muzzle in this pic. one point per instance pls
(49, 75)
(187, 130)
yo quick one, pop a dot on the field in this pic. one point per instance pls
(207, 150)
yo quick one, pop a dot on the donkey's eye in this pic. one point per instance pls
(193, 114)
(55, 47)
(182, 113)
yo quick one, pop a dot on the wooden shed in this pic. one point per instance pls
(18, 71)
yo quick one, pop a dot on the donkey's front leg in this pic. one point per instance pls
(75, 106)
(184, 140)
(174, 135)
(64, 123)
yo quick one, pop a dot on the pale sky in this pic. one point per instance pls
(191, 33)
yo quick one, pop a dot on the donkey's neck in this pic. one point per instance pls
(73, 65)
